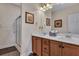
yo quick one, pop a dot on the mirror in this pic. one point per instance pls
(69, 13)
(62, 17)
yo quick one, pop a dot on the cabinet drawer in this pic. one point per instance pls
(45, 54)
(45, 49)
(53, 42)
(45, 41)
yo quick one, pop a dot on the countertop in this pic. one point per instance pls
(72, 40)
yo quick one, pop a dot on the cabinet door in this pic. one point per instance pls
(38, 48)
(34, 44)
(70, 50)
(45, 47)
(55, 48)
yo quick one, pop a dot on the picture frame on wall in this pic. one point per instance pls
(58, 23)
(29, 18)
(47, 21)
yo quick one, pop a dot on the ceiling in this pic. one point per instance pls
(60, 6)
(16, 4)
(56, 6)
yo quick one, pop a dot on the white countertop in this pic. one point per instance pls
(71, 40)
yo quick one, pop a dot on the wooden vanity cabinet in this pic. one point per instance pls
(46, 47)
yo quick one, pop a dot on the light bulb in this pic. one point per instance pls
(41, 8)
(48, 5)
(44, 7)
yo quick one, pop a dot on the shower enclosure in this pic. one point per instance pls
(18, 31)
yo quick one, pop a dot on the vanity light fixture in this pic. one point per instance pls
(45, 6)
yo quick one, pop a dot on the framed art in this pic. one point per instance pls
(47, 21)
(58, 23)
(29, 18)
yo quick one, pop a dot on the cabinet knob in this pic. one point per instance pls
(45, 48)
(60, 46)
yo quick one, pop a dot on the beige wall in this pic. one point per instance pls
(8, 15)
(28, 29)
(63, 14)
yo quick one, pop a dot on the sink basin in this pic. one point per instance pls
(59, 36)
(42, 33)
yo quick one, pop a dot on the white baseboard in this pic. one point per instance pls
(26, 54)
(18, 48)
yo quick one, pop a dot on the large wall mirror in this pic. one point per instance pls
(69, 13)
(62, 17)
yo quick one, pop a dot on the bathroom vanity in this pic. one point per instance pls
(45, 45)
